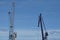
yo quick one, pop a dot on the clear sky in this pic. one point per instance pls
(27, 12)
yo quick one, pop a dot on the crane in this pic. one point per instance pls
(42, 25)
(12, 34)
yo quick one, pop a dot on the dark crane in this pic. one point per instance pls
(40, 24)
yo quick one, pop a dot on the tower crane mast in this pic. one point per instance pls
(12, 34)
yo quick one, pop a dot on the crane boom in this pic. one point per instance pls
(41, 23)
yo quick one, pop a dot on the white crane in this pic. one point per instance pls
(12, 34)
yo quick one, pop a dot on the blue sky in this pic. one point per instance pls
(27, 12)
